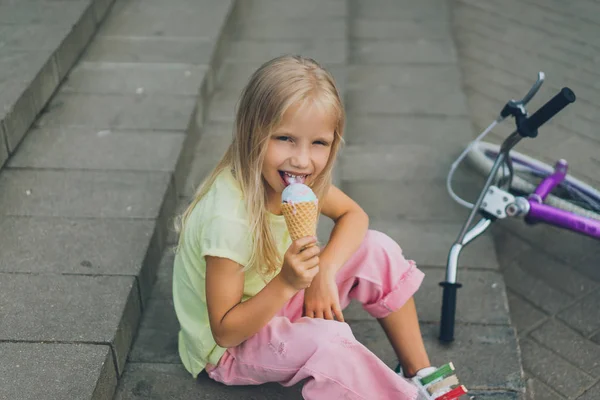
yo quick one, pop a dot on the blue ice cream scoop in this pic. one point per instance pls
(297, 193)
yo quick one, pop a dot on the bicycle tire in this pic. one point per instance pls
(482, 157)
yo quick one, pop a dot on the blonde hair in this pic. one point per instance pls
(272, 89)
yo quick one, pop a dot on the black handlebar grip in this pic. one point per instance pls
(448, 311)
(547, 111)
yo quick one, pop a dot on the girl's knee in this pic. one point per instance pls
(319, 336)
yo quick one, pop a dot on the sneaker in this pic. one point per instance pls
(437, 383)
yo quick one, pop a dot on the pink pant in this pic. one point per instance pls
(291, 348)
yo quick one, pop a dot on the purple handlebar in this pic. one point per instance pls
(563, 219)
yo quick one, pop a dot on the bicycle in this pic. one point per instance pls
(540, 194)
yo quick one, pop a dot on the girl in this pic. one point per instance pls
(255, 307)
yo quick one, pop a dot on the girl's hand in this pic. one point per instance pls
(322, 300)
(300, 264)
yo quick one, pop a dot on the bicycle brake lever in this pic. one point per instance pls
(534, 89)
(516, 108)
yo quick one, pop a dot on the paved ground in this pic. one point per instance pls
(86, 199)
(552, 276)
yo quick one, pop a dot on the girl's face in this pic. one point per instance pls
(299, 147)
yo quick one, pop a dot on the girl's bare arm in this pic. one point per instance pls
(232, 321)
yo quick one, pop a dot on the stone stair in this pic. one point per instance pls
(39, 43)
(87, 196)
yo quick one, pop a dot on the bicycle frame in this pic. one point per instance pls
(494, 202)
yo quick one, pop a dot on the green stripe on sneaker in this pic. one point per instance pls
(441, 372)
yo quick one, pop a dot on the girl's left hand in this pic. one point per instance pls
(321, 298)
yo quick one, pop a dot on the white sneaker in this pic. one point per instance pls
(422, 373)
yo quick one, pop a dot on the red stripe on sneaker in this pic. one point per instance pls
(453, 394)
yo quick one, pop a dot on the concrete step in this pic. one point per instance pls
(40, 42)
(87, 199)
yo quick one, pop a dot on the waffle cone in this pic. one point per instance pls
(301, 218)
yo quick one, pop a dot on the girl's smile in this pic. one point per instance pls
(289, 177)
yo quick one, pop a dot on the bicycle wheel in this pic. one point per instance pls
(570, 195)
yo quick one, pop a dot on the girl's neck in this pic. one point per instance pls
(273, 202)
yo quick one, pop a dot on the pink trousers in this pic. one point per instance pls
(325, 353)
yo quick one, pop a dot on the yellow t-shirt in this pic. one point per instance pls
(218, 226)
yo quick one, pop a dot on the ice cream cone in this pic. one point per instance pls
(301, 218)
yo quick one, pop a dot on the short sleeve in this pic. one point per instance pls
(226, 237)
